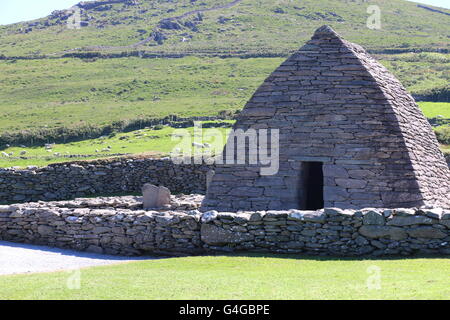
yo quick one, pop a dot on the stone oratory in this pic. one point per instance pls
(350, 136)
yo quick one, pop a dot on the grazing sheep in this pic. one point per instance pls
(5, 154)
(198, 145)
(23, 152)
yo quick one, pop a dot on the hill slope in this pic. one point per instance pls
(47, 95)
(260, 27)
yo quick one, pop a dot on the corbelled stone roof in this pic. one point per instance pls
(335, 104)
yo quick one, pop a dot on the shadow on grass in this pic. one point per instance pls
(299, 256)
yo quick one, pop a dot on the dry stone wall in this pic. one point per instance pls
(120, 226)
(117, 175)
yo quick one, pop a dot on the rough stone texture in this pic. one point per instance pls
(155, 197)
(333, 103)
(120, 226)
(118, 175)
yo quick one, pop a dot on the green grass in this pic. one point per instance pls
(73, 93)
(434, 109)
(156, 143)
(45, 94)
(420, 73)
(152, 142)
(251, 27)
(242, 277)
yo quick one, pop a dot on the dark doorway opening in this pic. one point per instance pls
(312, 185)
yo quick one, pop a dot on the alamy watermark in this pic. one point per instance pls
(74, 280)
(374, 20)
(373, 282)
(254, 147)
(74, 21)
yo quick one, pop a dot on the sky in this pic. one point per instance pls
(12, 11)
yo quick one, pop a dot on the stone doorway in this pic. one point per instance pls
(311, 186)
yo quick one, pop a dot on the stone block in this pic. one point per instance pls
(155, 197)
(373, 217)
(214, 235)
(377, 232)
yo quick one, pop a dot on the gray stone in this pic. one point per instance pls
(351, 183)
(426, 232)
(409, 221)
(95, 249)
(376, 232)
(435, 213)
(155, 197)
(45, 230)
(214, 235)
(209, 176)
(6, 209)
(209, 216)
(373, 217)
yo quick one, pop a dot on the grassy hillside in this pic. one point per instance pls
(249, 26)
(52, 93)
(73, 92)
(42, 95)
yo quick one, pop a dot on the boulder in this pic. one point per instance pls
(155, 197)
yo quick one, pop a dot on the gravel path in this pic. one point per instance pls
(24, 258)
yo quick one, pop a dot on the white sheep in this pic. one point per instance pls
(198, 145)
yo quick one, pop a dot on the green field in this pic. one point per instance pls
(435, 109)
(420, 73)
(152, 142)
(243, 277)
(45, 94)
(40, 95)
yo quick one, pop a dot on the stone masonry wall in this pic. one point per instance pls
(116, 226)
(117, 175)
(334, 104)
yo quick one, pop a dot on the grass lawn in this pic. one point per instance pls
(156, 143)
(242, 277)
(434, 109)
